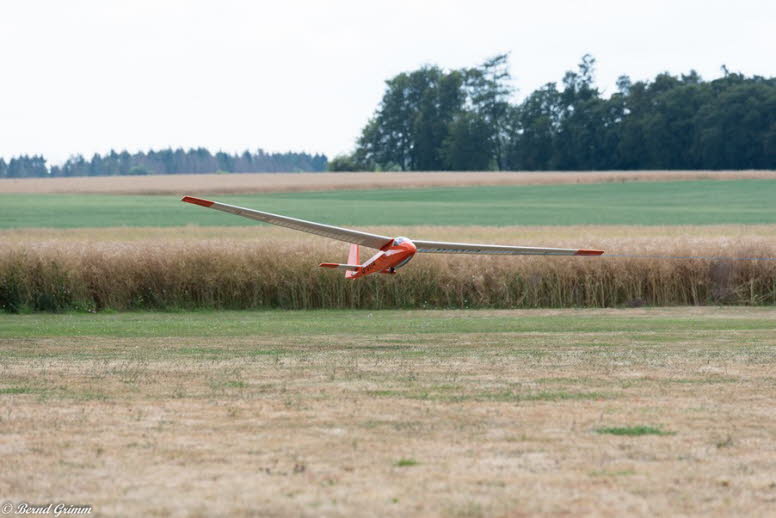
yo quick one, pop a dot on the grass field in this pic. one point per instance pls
(392, 413)
(459, 413)
(633, 203)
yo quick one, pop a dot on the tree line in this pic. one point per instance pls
(165, 161)
(435, 119)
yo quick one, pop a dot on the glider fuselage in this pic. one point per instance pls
(388, 259)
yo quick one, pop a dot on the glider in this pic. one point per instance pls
(393, 252)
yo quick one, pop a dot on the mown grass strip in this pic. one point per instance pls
(505, 396)
(633, 431)
(387, 323)
(15, 390)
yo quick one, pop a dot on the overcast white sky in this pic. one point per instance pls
(87, 76)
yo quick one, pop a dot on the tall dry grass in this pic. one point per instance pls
(228, 273)
(291, 182)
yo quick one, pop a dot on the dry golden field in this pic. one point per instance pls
(261, 267)
(290, 182)
(659, 412)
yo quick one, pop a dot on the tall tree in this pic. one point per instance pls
(412, 121)
(534, 127)
(469, 145)
(489, 92)
(736, 129)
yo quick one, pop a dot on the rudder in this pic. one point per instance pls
(353, 258)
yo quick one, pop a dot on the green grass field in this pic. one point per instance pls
(331, 413)
(633, 203)
(346, 322)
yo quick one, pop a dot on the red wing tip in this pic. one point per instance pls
(328, 265)
(197, 201)
(589, 252)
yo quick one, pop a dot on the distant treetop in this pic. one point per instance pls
(165, 161)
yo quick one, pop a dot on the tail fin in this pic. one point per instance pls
(354, 257)
(352, 266)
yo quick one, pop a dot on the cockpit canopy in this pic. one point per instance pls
(400, 240)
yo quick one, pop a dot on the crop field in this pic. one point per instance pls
(295, 182)
(262, 267)
(392, 413)
(191, 258)
(631, 203)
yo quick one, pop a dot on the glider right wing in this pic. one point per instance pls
(439, 247)
(341, 234)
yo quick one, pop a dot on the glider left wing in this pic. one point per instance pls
(440, 247)
(342, 234)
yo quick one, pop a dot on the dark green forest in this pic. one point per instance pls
(166, 161)
(435, 119)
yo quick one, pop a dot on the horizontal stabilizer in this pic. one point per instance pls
(340, 266)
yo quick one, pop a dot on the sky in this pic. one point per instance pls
(86, 76)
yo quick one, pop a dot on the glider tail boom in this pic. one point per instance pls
(352, 267)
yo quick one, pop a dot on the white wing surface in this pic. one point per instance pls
(440, 247)
(341, 234)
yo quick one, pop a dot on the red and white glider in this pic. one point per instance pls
(393, 252)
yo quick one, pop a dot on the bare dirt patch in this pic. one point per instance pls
(294, 182)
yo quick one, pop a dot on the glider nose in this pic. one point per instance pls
(409, 246)
(405, 243)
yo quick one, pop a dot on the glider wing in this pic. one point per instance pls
(342, 234)
(439, 247)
